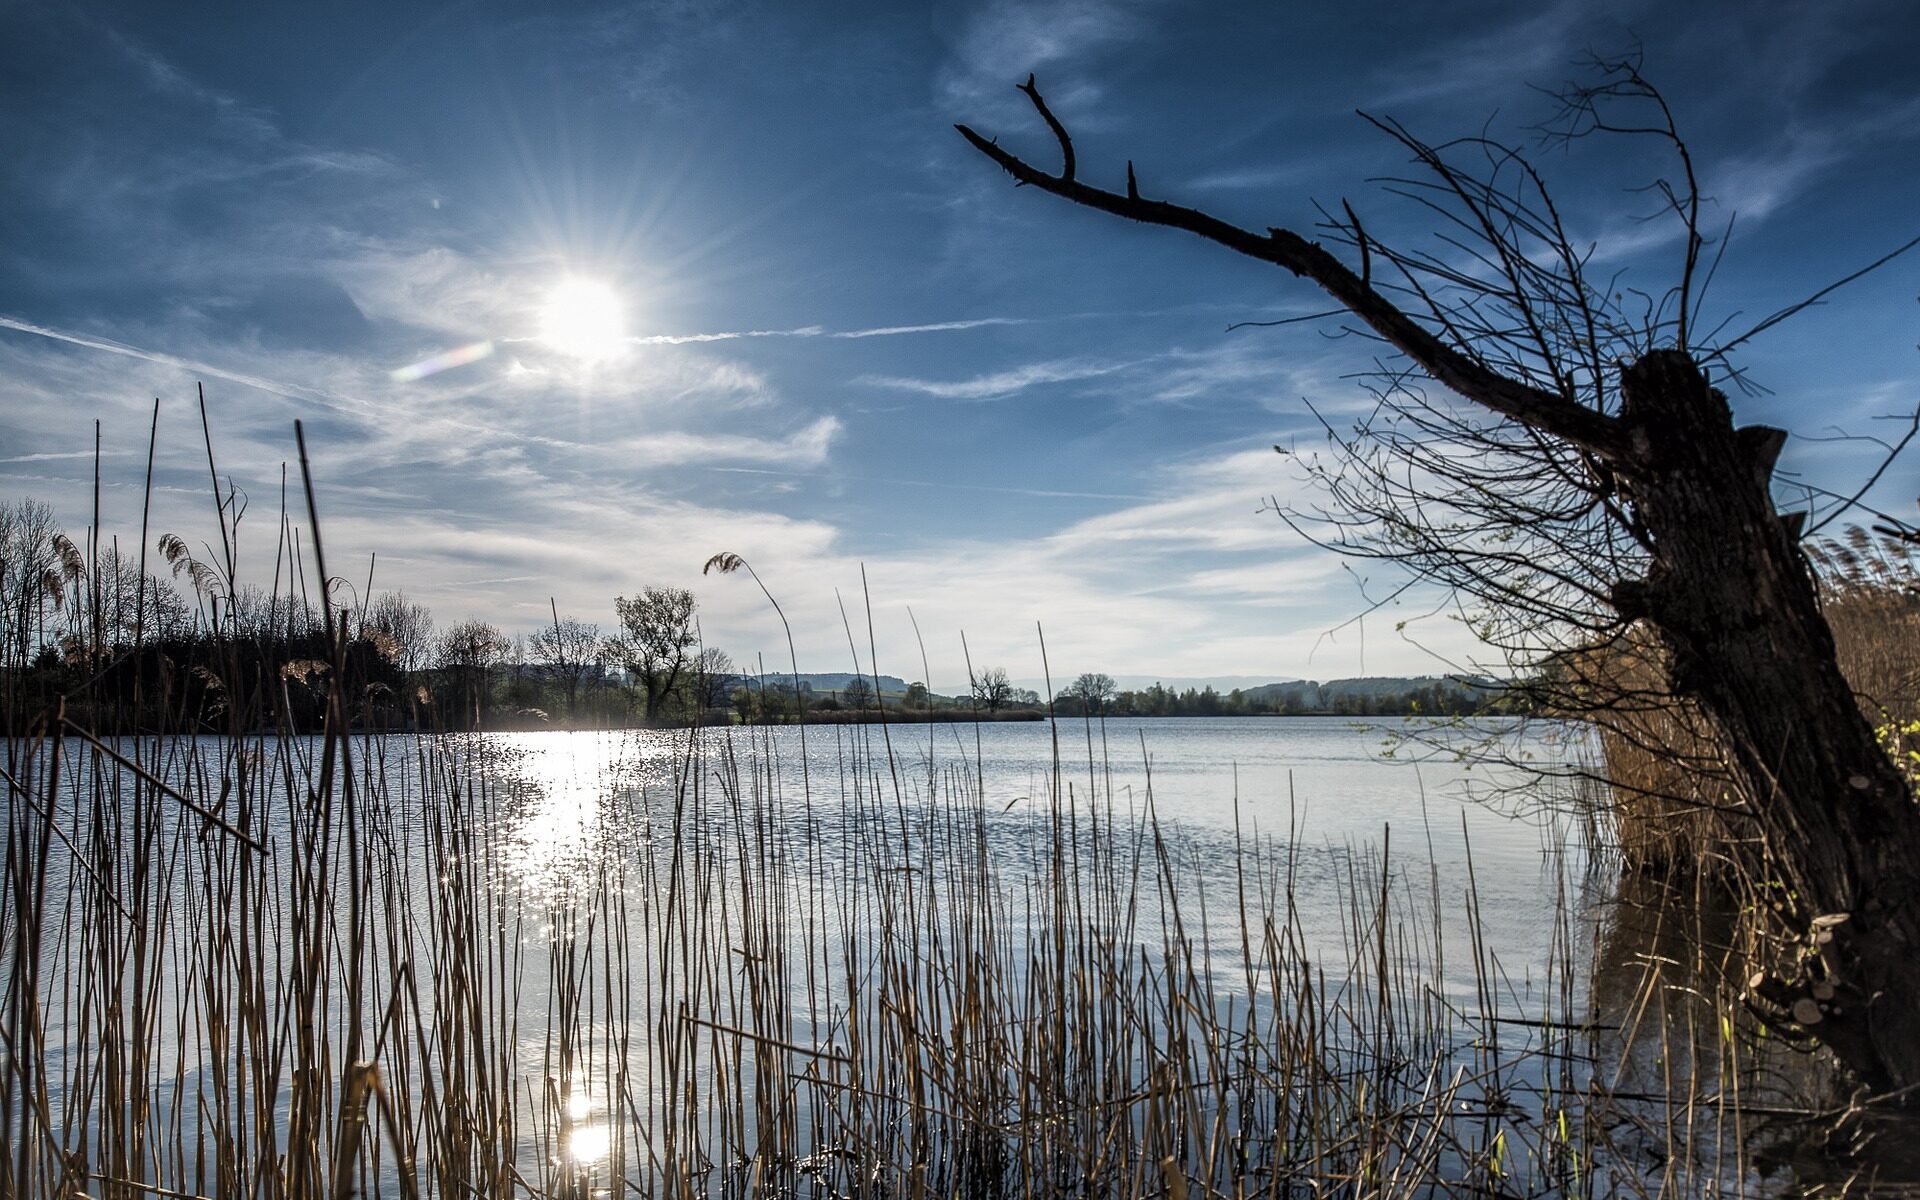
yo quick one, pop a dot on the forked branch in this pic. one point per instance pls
(1555, 415)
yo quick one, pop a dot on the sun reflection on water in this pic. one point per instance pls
(572, 802)
(589, 1144)
(586, 1141)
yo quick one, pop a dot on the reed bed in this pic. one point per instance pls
(1672, 810)
(285, 966)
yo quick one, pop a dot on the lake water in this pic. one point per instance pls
(647, 955)
(1322, 788)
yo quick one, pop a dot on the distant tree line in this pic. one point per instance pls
(170, 640)
(1096, 694)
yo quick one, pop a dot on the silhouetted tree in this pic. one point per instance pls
(402, 629)
(569, 651)
(992, 689)
(136, 608)
(469, 653)
(713, 676)
(39, 571)
(1094, 691)
(1582, 478)
(656, 643)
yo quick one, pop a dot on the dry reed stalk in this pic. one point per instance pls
(750, 976)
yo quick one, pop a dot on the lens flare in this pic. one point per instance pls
(442, 362)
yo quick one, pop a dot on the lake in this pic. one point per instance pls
(975, 957)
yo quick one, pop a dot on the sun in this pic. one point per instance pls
(585, 319)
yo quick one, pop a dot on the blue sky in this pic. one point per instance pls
(1011, 412)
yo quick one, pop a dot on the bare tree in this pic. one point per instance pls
(137, 609)
(1580, 477)
(992, 688)
(39, 572)
(1094, 690)
(470, 652)
(858, 693)
(569, 649)
(713, 677)
(402, 629)
(656, 643)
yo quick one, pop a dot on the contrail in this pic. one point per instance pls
(935, 327)
(932, 483)
(52, 456)
(287, 390)
(479, 350)
(681, 339)
(818, 331)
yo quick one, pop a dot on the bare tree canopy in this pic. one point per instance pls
(36, 577)
(1580, 474)
(402, 629)
(470, 652)
(1094, 690)
(992, 689)
(714, 673)
(657, 642)
(569, 648)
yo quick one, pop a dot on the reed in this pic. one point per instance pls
(283, 965)
(254, 966)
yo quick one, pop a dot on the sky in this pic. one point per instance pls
(918, 400)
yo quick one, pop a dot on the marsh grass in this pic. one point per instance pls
(223, 980)
(1672, 810)
(271, 964)
(885, 984)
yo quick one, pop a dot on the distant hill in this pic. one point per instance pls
(1179, 683)
(827, 681)
(1302, 695)
(1310, 695)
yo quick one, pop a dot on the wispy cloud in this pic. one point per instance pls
(1004, 39)
(1246, 178)
(431, 287)
(1242, 368)
(1000, 384)
(1756, 184)
(1514, 52)
(938, 484)
(808, 446)
(55, 456)
(168, 80)
(106, 345)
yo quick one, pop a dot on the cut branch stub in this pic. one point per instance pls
(1762, 444)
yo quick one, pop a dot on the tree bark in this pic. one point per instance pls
(1733, 601)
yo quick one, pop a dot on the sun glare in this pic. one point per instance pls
(584, 319)
(589, 1143)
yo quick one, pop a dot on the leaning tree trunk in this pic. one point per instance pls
(1732, 599)
(1727, 593)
